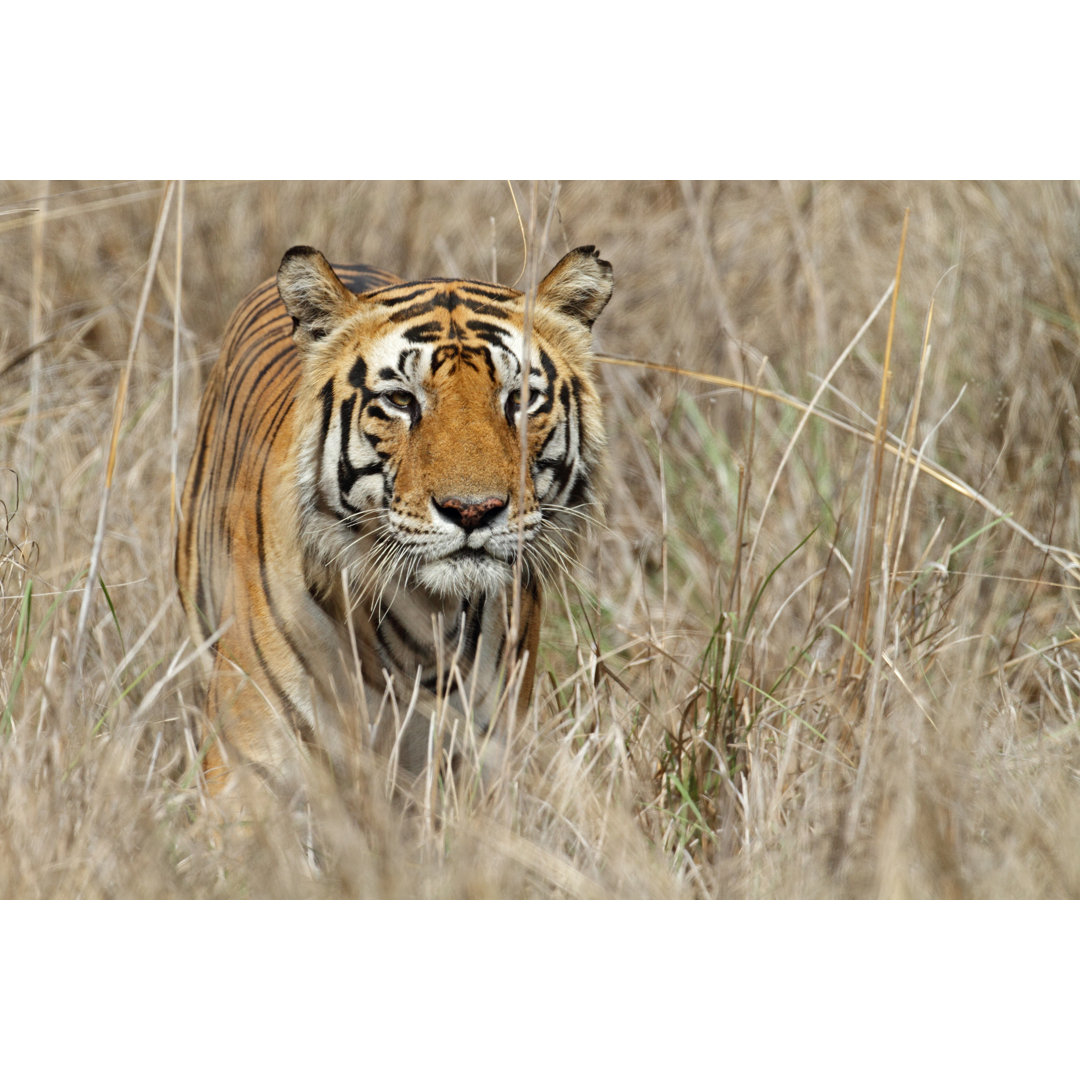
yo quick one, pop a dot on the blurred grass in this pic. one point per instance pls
(696, 733)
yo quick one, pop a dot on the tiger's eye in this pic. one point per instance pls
(400, 399)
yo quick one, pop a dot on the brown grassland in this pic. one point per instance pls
(816, 652)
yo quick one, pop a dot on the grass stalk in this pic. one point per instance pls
(174, 491)
(79, 644)
(859, 612)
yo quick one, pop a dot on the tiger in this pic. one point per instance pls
(386, 474)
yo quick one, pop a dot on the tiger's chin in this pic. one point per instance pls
(465, 573)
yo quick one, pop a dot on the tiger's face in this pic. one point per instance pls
(415, 407)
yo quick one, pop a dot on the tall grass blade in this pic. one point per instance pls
(118, 415)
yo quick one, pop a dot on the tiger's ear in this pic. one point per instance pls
(312, 294)
(579, 286)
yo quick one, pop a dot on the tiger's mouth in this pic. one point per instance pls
(465, 572)
(471, 554)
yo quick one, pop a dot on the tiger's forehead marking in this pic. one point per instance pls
(451, 322)
(454, 310)
(456, 356)
(445, 359)
(443, 292)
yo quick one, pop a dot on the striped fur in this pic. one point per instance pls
(356, 494)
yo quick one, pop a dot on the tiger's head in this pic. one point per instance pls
(414, 406)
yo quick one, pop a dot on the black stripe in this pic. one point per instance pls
(489, 332)
(484, 309)
(490, 292)
(471, 629)
(549, 368)
(580, 490)
(424, 333)
(395, 301)
(439, 299)
(578, 414)
(326, 394)
(348, 473)
(358, 372)
(361, 278)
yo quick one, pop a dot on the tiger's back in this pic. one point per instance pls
(356, 495)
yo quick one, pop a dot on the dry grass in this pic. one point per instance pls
(799, 662)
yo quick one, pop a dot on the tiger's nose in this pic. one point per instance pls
(470, 513)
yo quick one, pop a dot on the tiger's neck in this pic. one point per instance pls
(454, 647)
